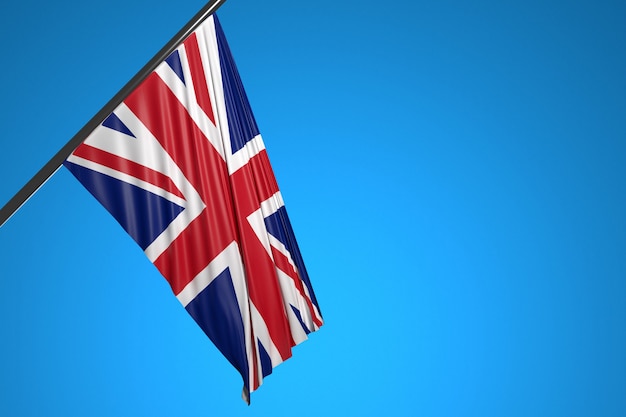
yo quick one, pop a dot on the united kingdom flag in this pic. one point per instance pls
(182, 167)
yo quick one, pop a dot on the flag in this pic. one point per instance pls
(182, 167)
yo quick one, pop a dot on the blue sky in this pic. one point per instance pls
(455, 173)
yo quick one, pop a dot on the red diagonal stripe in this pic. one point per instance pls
(127, 167)
(198, 76)
(282, 263)
(189, 254)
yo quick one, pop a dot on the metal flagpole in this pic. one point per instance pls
(55, 163)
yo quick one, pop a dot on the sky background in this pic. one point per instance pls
(455, 173)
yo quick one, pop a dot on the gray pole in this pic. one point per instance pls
(57, 160)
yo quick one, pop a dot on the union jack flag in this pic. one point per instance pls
(182, 167)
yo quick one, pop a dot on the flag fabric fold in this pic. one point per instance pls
(181, 165)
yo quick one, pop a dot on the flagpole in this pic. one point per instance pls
(53, 165)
